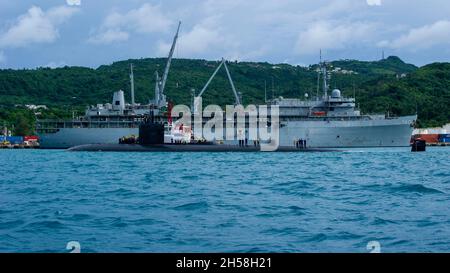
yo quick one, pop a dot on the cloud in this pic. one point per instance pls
(36, 26)
(206, 39)
(198, 40)
(73, 2)
(116, 27)
(374, 2)
(422, 38)
(109, 36)
(146, 19)
(252, 30)
(331, 35)
(265, 29)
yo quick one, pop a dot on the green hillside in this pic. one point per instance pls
(390, 66)
(377, 86)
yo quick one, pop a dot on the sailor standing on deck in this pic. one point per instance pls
(241, 138)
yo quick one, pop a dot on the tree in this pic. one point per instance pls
(22, 127)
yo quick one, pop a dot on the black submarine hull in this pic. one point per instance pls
(184, 148)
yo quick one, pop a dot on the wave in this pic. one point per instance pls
(193, 206)
(120, 192)
(281, 231)
(317, 238)
(118, 222)
(45, 225)
(380, 221)
(405, 188)
(145, 222)
(80, 217)
(416, 188)
(189, 177)
(11, 224)
(297, 210)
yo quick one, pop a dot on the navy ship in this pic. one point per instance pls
(107, 123)
(327, 121)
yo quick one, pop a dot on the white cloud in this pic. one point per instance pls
(117, 27)
(109, 36)
(146, 19)
(422, 38)
(374, 2)
(60, 14)
(207, 38)
(36, 26)
(266, 29)
(73, 2)
(252, 30)
(331, 35)
(198, 40)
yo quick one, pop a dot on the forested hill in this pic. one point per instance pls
(390, 66)
(380, 86)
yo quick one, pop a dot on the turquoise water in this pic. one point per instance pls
(312, 202)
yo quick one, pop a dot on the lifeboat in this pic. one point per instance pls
(319, 114)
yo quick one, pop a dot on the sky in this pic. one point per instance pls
(54, 33)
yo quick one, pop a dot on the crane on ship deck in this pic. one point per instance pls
(160, 98)
(236, 94)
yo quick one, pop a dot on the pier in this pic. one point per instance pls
(18, 146)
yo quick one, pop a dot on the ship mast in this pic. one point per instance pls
(322, 70)
(325, 84)
(319, 71)
(157, 85)
(132, 85)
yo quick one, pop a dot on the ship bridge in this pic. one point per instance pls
(338, 106)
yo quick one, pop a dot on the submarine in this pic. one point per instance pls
(151, 139)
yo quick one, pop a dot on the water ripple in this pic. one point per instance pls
(192, 206)
(157, 202)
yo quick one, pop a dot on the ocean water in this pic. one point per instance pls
(226, 202)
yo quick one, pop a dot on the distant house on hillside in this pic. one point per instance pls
(401, 76)
(339, 70)
(36, 107)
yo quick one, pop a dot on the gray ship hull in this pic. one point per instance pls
(69, 137)
(318, 134)
(350, 134)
